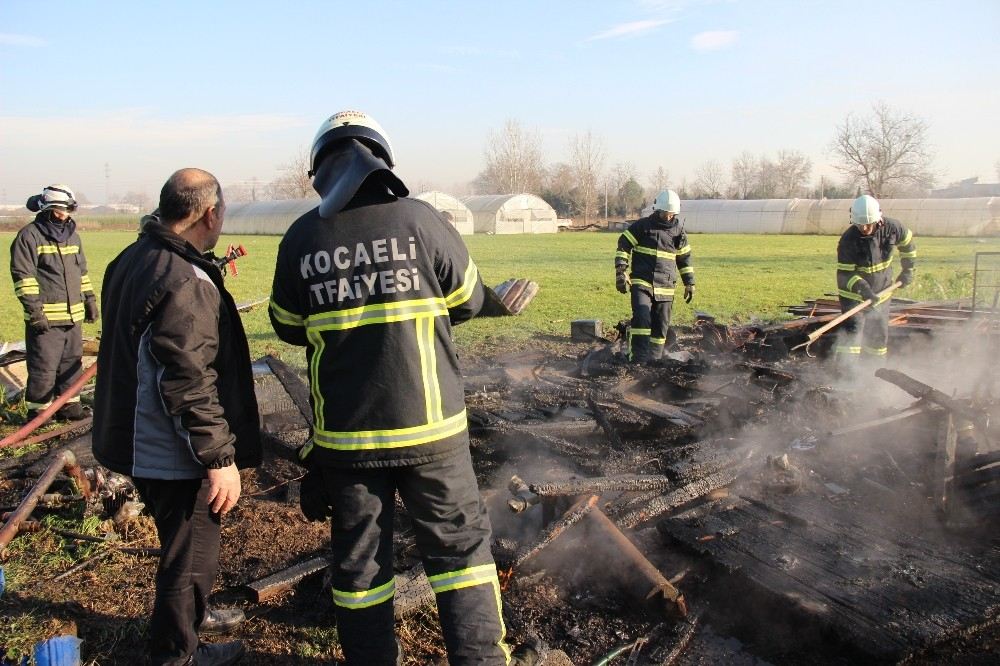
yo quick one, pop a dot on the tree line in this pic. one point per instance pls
(884, 152)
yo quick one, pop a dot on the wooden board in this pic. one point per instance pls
(885, 592)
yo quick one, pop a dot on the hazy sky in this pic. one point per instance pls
(239, 88)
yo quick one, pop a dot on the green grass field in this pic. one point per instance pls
(739, 278)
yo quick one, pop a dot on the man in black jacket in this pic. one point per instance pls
(371, 282)
(49, 271)
(658, 251)
(175, 406)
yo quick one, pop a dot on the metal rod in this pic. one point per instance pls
(62, 459)
(648, 584)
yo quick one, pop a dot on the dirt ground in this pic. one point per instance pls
(560, 598)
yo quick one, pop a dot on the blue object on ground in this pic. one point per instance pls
(3, 582)
(58, 651)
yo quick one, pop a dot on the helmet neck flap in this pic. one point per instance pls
(344, 169)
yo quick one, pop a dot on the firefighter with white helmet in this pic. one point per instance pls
(50, 277)
(864, 268)
(371, 283)
(658, 251)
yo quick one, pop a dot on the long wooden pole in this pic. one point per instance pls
(815, 335)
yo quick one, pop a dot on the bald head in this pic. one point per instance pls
(187, 195)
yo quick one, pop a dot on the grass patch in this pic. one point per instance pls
(739, 278)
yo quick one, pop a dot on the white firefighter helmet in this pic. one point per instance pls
(351, 125)
(865, 210)
(57, 196)
(667, 200)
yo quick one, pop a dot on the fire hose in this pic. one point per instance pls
(15, 438)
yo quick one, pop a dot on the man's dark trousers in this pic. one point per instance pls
(189, 542)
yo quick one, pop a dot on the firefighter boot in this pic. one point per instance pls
(72, 411)
(529, 653)
(221, 621)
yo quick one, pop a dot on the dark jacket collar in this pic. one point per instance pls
(158, 232)
(53, 229)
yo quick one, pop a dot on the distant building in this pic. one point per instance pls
(970, 187)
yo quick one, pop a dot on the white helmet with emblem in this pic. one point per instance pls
(350, 125)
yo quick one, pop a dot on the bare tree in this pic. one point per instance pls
(294, 181)
(884, 152)
(513, 161)
(709, 183)
(658, 181)
(743, 175)
(792, 173)
(138, 199)
(996, 166)
(767, 179)
(587, 162)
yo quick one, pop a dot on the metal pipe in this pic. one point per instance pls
(62, 459)
(14, 438)
(648, 584)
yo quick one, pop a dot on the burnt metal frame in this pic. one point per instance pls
(994, 284)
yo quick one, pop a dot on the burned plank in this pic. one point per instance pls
(675, 415)
(683, 495)
(886, 593)
(275, 584)
(297, 389)
(602, 484)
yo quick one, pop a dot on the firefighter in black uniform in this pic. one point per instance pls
(50, 278)
(658, 248)
(371, 282)
(864, 268)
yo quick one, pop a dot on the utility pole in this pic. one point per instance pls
(605, 202)
(107, 184)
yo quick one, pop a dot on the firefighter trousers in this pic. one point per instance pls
(452, 533)
(53, 360)
(865, 335)
(650, 323)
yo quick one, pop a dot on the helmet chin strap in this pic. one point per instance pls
(344, 169)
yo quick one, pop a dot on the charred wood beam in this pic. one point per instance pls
(601, 484)
(931, 394)
(878, 423)
(675, 415)
(275, 584)
(574, 515)
(605, 423)
(683, 495)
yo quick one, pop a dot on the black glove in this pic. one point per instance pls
(38, 321)
(906, 277)
(621, 283)
(866, 292)
(688, 292)
(91, 313)
(312, 497)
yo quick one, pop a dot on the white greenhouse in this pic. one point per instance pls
(511, 214)
(266, 217)
(454, 210)
(926, 217)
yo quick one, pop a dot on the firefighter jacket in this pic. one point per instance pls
(372, 294)
(659, 251)
(50, 275)
(869, 259)
(175, 391)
